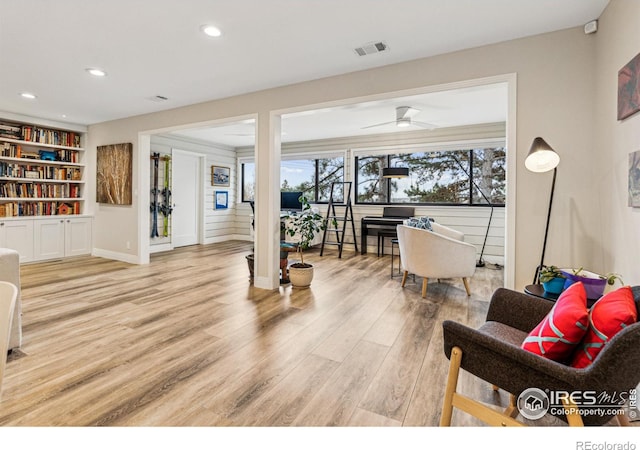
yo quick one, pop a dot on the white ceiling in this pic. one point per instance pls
(473, 105)
(155, 47)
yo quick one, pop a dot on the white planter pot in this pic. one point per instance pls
(300, 277)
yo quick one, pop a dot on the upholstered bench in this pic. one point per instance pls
(10, 271)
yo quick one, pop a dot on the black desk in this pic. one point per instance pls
(538, 291)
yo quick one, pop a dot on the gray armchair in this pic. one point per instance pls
(492, 353)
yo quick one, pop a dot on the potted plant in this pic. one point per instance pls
(303, 226)
(552, 279)
(594, 284)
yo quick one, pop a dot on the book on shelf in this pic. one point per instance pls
(43, 208)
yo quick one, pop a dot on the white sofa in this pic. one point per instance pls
(10, 271)
(441, 253)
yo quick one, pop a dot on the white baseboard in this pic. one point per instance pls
(263, 283)
(124, 257)
(229, 237)
(160, 248)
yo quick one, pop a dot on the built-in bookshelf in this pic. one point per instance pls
(41, 171)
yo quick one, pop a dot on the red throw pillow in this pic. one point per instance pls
(609, 315)
(558, 334)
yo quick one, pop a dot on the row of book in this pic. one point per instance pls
(10, 130)
(14, 209)
(39, 190)
(20, 170)
(48, 136)
(12, 150)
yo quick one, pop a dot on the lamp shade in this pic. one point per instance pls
(395, 172)
(541, 157)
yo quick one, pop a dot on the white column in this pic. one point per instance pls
(267, 202)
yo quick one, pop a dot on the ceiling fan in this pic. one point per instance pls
(404, 118)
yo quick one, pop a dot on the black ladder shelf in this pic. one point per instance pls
(336, 223)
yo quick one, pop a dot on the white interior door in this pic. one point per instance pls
(186, 182)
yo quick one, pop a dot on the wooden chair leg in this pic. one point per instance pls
(466, 286)
(452, 383)
(571, 413)
(512, 409)
(424, 287)
(623, 421)
(404, 277)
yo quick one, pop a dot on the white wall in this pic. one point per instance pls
(618, 41)
(555, 86)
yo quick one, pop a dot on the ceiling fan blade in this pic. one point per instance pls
(428, 126)
(379, 124)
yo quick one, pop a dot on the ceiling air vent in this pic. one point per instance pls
(158, 98)
(372, 47)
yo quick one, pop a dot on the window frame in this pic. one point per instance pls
(389, 152)
(315, 156)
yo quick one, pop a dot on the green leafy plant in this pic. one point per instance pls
(304, 225)
(548, 273)
(610, 277)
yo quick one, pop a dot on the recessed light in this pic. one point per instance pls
(28, 95)
(96, 72)
(210, 30)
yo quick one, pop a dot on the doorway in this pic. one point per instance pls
(187, 197)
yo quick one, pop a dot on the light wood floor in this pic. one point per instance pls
(188, 341)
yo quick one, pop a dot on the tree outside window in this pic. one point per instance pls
(311, 176)
(437, 177)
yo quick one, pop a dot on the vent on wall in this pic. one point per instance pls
(372, 47)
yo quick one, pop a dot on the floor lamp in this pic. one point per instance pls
(480, 262)
(542, 158)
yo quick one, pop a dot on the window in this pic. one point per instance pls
(435, 177)
(311, 176)
(248, 181)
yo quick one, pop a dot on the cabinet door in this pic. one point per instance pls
(18, 235)
(77, 236)
(48, 239)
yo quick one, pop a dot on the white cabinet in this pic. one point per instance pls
(40, 239)
(48, 239)
(18, 235)
(62, 236)
(77, 236)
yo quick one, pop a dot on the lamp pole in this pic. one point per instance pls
(536, 277)
(542, 158)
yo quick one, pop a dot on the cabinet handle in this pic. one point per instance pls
(62, 221)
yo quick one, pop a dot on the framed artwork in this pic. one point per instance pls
(634, 179)
(629, 88)
(221, 200)
(114, 165)
(220, 176)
